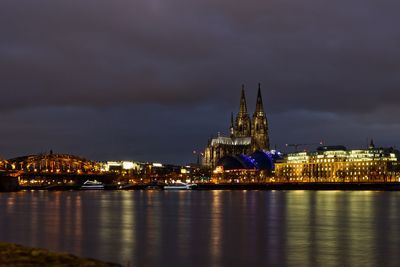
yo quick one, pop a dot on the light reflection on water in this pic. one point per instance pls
(210, 228)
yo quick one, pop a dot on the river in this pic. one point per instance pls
(209, 228)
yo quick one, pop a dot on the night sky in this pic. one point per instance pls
(152, 80)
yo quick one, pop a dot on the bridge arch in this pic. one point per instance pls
(52, 163)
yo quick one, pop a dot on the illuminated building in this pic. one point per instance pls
(337, 164)
(122, 167)
(150, 171)
(246, 135)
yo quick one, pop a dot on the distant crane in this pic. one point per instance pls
(198, 154)
(296, 146)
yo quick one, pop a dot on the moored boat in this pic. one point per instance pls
(92, 185)
(179, 186)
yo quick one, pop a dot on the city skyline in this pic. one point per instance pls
(153, 81)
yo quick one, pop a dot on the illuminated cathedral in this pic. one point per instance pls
(247, 135)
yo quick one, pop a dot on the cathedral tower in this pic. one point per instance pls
(243, 124)
(259, 125)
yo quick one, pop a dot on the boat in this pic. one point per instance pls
(125, 186)
(179, 186)
(154, 186)
(92, 185)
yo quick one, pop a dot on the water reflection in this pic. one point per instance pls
(216, 228)
(127, 234)
(210, 228)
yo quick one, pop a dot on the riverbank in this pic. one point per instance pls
(12, 255)
(302, 186)
(389, 186)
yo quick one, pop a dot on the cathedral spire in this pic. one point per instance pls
(243, 105)
(242, 127)
(259, 125)
(371, 144)
(259, 105)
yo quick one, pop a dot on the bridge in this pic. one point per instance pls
(50, 164)
(49, 169)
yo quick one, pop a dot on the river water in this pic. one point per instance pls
(209, 228)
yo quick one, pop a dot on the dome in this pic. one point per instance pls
(237, 162)
(260, 160)
(247, 162)
(264, 160)
(230, 163)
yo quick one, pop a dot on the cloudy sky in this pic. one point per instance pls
(152, 80)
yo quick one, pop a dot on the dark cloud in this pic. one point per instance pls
(145, 133)
(326, 59)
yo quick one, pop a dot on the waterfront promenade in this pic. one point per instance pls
(388, 186)
(15, 181)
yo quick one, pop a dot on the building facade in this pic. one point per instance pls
(337, 164)
(246, 134)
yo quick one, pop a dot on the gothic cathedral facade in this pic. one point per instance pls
(246, 134)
